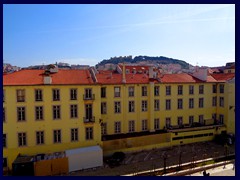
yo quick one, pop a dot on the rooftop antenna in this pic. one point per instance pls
(197, 67)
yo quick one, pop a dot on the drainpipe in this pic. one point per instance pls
(124, 74)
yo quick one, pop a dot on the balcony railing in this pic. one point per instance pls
(88, 97)
(89, 120)
(194, 126)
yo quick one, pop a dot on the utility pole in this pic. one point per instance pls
(226, 154)
(164, 163)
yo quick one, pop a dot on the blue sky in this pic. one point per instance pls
(86, 34)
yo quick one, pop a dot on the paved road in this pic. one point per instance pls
(153, 159)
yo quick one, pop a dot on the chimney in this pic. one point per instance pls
(201, 73)
(124, 74)
(47, 80)
(150, 72)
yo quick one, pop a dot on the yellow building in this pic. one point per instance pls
(129, 109)
(47, 112)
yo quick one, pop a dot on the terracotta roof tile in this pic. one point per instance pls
(223, 77)
(179, 78)
(114, 78)
(138, 68)
(35, 77)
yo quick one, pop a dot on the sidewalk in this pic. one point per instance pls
(219, 171)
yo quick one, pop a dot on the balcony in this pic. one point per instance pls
(89, 120)
(88, 96)
(208, 124)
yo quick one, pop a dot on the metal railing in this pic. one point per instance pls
(89, 120)
(88, 96)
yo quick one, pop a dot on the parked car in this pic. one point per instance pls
(223, 139)
(115, 159)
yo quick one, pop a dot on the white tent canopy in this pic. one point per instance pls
(83, 158)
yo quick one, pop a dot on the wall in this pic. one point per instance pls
(11, 127)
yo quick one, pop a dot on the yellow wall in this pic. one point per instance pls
(11, 127)
(137, 143)
(231, 106)
(138, 115)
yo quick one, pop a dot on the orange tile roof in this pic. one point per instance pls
(35, 77)
(114, 78)
(231, 67)
(210, 79)
(179, 78)
(136, 67)
(223, 77)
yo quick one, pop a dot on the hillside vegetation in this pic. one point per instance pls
(149, 59)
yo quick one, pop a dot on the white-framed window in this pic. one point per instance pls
(74, 134)
(22, 139)
(201, 102)
(214, 116)
(180, 104)
(117, 127)
(117, 91)
(21, 114)
(168, 122)
(144, 125)
(57, 112)
(89, 133)
(39, 112)
(221, 119)
(131, 106)
(4, 140)
(103, 108)
(131, 91)
(191, 103)
(180, 120)
(4, 115)
(191, 120)
(201, 119)
(214, 101)
(156, 124)
(117, 107)
(4, 94)
(201, 89)
(38, 95)
(73, 111)
(39, 137)
(103, 92)
(144, 90)
(144, 105)
(57, 136)
(88, 93)
(20, 95)
(180, 90)
(156, 90)
(5, 162)
(191, 89)
(73, 94)
(131, 126)
(221, 101)
(156, 104)
(214, 88)
(168, 90)
(56, 94)
(221, 88)
(168, 104)
(104, 128)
